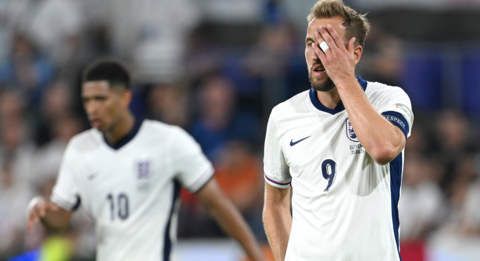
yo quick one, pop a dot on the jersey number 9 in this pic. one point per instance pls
(329, 171)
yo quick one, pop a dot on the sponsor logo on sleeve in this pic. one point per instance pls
(404, 109)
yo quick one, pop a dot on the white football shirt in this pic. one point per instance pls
(131, 190)
(344, 205)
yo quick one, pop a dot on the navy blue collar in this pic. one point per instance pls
(123, 141)
(339, 107)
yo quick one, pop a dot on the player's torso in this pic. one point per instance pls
(129, 192)
(339, 193)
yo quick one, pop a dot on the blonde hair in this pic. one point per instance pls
(356, 24)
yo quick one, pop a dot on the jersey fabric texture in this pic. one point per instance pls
(131, 190)
(344, 204)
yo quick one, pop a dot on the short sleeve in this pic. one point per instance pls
(66, 192)
(275, 167)
(192, 169)
(397, 109)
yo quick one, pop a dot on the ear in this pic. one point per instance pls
(126, 98)
(357, 52)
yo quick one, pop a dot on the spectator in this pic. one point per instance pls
(49, 156)
(168, 103)
(26, 70)
(218, 120)
(56, 103)
(12, 104)
(453, 142)
(464, 215)
(420, 207)
(151, 35)
(14, 197)
(272, 64)
(239, 174)
(16, 157)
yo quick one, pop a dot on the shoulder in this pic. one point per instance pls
(170, 135)
(85, 141)
(155, 128)
(380, 90)
(381, 95)
(290, 107)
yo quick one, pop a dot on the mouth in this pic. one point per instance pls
(95, 123)
(318, 69)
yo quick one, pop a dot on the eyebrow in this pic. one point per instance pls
(309, 39)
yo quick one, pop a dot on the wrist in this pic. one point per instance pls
(346, 83)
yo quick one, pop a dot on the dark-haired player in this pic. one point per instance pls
(127, 173)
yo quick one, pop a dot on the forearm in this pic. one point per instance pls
(380, 138)
(230, 220)
(278, 223)
(55, 221)
(50, 215)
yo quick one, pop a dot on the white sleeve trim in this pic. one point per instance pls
(276, 183)
(202, 180)
(55, 198)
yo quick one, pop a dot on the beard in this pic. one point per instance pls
(325, 86)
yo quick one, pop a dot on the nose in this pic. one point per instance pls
(91, 108)
(315, 57)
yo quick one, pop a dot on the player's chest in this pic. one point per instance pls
(315, 142)
(121, 170)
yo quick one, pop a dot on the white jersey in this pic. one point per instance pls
(131, 190)
(344, 205)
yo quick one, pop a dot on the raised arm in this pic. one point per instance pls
(53, 217)
(382, 140)
(228, 217)
(277, 219)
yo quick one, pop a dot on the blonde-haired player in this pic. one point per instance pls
(334, 154)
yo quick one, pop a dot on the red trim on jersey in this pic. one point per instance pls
(276, 182)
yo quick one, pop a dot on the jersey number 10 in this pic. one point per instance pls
(122, 205)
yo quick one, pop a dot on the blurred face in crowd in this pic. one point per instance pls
(105, 105)
(12, 133)
(316, 72)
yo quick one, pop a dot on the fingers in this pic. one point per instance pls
(327, 37)
(33, 218)
(351, 45)
(37, 210)
(336, 38)
(320, 54)
(30, 224)
(52, 207)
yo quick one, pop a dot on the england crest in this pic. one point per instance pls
(350, 132)
(143, 169)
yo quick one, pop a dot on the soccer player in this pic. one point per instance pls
(337, 149)
(127, 173)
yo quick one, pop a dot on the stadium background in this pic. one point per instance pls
(216, 68)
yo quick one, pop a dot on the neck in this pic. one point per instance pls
(329, 99)
(120, 129)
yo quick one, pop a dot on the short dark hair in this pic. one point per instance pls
(108, 69)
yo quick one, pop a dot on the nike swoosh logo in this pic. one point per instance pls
(92, 176)
(296, 142)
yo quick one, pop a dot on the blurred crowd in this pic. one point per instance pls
(217, 74)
